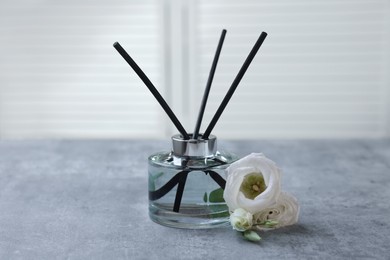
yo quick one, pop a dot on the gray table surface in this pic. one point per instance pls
(88, 200)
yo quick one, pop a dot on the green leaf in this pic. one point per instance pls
(267, 224)
(158, 175)
(152, 178)
(205, 197)
(270, 223)
(216, 196)
(218, 211)
(152, 186)
(251, 236)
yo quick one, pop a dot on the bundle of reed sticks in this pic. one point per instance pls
(225, 101)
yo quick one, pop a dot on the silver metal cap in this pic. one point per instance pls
(194, 147)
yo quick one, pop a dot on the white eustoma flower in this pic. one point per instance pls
(241, 219)
(285, 212)
(252, 183)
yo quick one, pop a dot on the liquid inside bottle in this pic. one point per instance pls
(186, 185)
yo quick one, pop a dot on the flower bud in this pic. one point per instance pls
(241, 219)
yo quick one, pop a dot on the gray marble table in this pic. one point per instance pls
(86, 199)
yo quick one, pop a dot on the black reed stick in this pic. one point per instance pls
(208, 85)
(152, 89)
(235, 83)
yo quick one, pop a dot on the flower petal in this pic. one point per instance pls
(236, 172)
(285, 211)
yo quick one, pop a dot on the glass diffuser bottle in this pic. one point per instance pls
(186, 184)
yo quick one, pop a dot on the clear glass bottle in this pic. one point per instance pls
(186, 184)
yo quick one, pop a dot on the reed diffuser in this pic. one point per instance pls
(186, 184)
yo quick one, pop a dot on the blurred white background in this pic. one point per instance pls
(322, 72)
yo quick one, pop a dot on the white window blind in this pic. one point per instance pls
(322, 71)
(61, 77)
